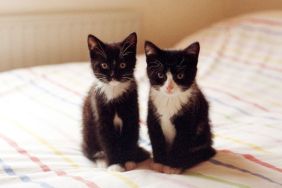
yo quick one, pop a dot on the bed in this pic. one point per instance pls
(240, 72)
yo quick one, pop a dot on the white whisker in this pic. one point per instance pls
(156, 65)
(181, 67)
(129, 74)
(127, 77)
(101, 50)
(123, 51)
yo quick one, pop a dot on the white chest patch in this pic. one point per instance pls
(117, 122)
(167, 106)
(113, 89)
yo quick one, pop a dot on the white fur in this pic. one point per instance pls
(113, 89)
(116, 167)
(99, 154)
(168, 105)
(117, 122)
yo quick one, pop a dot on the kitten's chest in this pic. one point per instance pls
(117, 122)
(168, 107)
(113, 92)
(167, 126)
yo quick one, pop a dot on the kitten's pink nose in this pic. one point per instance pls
(169, 87)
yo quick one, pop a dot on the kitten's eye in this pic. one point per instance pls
(104, 66)
(122, 65)
(160, 75)
(180, 76)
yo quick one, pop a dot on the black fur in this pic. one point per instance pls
(193, 141)
(99, 132)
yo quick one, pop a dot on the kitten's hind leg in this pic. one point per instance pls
(90, 145)
(91, 149)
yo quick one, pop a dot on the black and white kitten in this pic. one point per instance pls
(110, 111)
(178, 121)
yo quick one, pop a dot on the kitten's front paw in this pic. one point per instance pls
(165, 169)
(130, 165)
(171, 170)
(116, 168)
(157, 167)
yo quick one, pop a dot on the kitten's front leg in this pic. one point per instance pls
(157, 140)
(158, 145)
(90, 145)
(132, 152)
(110, 145)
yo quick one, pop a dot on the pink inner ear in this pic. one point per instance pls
(149, 50)
(92, 43)
(132, 39)
(194, 48)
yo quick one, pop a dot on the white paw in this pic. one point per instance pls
(116, 168)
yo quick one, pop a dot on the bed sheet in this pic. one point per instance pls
(240, 72)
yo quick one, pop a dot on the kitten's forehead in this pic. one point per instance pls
(116, 51)
(113, 51)
(173, 62)
(172, 58)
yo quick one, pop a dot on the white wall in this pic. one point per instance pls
(163, 21)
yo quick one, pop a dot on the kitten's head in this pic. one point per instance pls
(113, 63)
(170, 71)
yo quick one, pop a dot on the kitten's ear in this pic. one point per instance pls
(193, 49)
(129, 45)
(150, 48)
(131, 39)
(94, 42)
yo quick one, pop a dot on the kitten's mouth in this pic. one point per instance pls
(170, 93)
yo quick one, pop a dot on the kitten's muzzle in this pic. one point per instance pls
(114, 82)
(170, 88)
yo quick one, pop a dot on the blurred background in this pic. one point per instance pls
(35, 32)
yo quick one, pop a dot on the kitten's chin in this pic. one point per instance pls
(171, 93)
